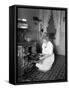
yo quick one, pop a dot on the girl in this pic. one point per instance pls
(47, 55)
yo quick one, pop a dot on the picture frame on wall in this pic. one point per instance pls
(37, 44)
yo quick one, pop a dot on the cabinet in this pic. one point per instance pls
(27, 51)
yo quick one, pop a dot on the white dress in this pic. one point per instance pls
(48, 58)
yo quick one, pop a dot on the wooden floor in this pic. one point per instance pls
(57, 72)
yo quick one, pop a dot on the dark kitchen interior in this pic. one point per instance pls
(31, 22)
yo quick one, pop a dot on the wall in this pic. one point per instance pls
(61, 47)
(59, 26)
(44, 15)
(28, 14)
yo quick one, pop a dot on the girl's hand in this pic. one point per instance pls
(42, 56)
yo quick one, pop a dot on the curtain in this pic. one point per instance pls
(57, 17)
(46, 17)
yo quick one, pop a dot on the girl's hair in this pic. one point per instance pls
(46, 37)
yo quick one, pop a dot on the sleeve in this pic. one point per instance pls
(48, 49)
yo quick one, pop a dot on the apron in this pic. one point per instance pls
(47, 49)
